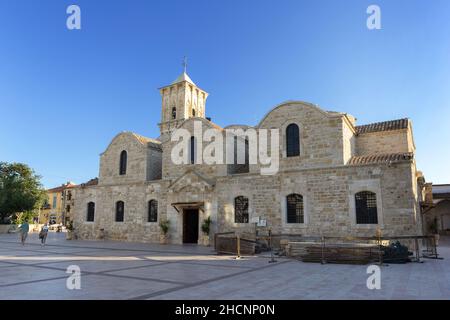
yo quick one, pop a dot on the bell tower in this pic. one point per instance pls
(181, 100)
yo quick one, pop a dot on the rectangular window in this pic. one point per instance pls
(366, 208)
(90, 212)
(120, 207)
(152, 211)
(54, 202)
(241, 209)
(294, 206)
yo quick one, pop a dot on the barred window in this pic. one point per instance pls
(366, 208)
(294, 208)
(120, 208)
(292, 140)
(152, 211)
(90, 212)
(123, 163)
(241, 209)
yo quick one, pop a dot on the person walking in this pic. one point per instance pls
(43, 234)
(24, 229)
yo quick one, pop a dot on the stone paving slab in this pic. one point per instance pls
(2, 264)
(92, 287)
(21, 252)
(297, 280)
(207, 259)
(65, 250)
(105, 265)
(114, 253)
(19, 274)
(123, 270)
(182, 273)
(39, 258)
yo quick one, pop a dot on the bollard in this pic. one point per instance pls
(380, 251)
(272, 258)
(323, 251)
(416, 242)
(238, 249)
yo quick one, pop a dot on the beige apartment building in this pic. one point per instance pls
(59, 204)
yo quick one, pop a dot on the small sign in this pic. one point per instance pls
(262, 223)
(255, 220)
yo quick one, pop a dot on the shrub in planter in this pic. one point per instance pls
(164, 225)
(206, 227)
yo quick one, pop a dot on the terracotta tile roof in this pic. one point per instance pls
(62, 188)
(383, 126)
(381, 158)
(57, 189)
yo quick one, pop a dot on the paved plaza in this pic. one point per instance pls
(118, 270)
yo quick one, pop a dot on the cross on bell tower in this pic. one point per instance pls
(181, 100)
(184, 64)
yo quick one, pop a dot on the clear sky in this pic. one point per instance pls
(64, 94)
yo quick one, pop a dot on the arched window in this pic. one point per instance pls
(366, 207)
(123, 163)
(241, 161)
(120, 208)
(90, 212)
(174, 113)
(294, 208)
(152, 211)
(193, 112)
(292, 140)
(241, 209)
(192, 148)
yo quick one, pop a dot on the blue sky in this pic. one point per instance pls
(65, 94)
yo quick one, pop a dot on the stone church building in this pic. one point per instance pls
(335, 178)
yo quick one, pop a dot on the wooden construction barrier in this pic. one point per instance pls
(358, 250)
(327, 249)
(230, 243)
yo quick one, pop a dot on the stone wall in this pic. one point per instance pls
(185, 97)
(395, 141)
(321, 135)
(171, 170)
(349, 140)
(144, 160)
(154, 163)
(135, 226)
(328, 195)
(319, 174)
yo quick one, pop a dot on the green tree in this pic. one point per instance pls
(21, 192)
